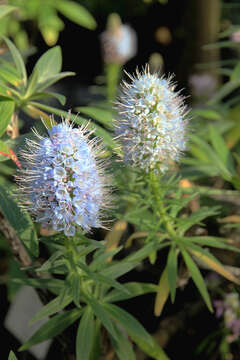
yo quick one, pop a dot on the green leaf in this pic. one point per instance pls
(121, 345)
(213, 241)
(54, 285)
(146, 250)
(132, 326)
(207, 114)
(172, 269)
(116, 270)
(53, 79)
(17, 60)
(96, 351)
(85, 335)
(53, 327)
(197, 278)
(99, 277)
(103, 316)
(51, 308)
(76, 288)
(49, 64)
(6, 9)
(153, 349)
(19, 220)
(196, 217)
(221, 148)
(6, 110)
(12, 356)
(103, 116)
(236, 72)
(134, 289)
(45, 95)
(76, 13)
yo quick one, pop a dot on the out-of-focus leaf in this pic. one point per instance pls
(221, 148)
(207, 114)
(6, 111)
(46, 95)
(53, 327)
(236, 72)
(12, 356)
(17, 60)
(19, 220)
(197, 278)
(162, 293)
(76, 13)
(114, 236)
(6, 9)
(85, 335)
(101, 115)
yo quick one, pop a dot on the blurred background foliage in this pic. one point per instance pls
(199, 41)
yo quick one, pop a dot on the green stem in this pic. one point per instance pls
(113, 72)
(161, 210)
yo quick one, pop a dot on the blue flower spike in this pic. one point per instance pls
(63, 181)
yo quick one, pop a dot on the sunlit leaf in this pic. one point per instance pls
(6, 110)
(197, 278)
(6, 9)
(162, 293)
(18, 60)
(76, 13)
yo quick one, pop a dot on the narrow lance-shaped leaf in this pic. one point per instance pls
(6, 111)
(212, 262)
(12, 356)
(85, 335)
(17, 60)
(162, 293)
(172, 268)
(6, 9)
(51, 308)
(53, 327)
(19, 220)
(102, 315)
(76, 13)
(197, 278)
(128, 322)
(122, 345)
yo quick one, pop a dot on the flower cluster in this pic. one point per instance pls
(61, 180)
(229, 308)
(152, 123)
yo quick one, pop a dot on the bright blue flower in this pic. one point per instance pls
(62, 181)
